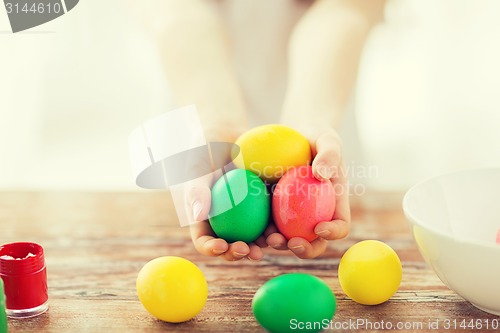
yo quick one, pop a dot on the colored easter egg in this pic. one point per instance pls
(3, 315)
(270, 150)
(172, 289)
(294, 302)
(240, 206)
(300, 202)
(370, 272)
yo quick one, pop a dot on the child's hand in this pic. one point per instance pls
(327, 164)
(199, 200)
(205, 240)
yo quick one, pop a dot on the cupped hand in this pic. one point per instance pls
(327, 165)
(206, 242)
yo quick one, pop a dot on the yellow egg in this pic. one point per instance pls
(270, 150)
(370, 272)
(172, 289)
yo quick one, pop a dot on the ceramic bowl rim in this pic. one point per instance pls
(412, 219)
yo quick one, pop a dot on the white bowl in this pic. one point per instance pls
(454, 220)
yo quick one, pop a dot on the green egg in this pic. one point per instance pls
(240, 206)
(294, 302)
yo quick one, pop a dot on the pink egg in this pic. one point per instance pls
(300, 201)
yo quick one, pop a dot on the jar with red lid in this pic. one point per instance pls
(23, 271)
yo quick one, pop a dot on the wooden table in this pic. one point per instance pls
(96, 243)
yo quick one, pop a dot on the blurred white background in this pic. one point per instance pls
(72, 90)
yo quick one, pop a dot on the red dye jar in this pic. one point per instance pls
(22, 269)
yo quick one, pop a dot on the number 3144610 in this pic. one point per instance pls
(33, 8)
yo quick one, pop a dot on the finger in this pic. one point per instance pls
(261, 242)
(270, 229)
(210, 246)
(274, 238)
(255, 252)
(237, 250)
(329, 153)
(200, 199)
(329, 150)
(205, 241)
(328, 156)
(305, 250)
(328, 162)
(332, 230)
(277, 241)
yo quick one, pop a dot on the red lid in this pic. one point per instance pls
(21, 258)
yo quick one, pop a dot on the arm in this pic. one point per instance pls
(196, 57)
(324, 52)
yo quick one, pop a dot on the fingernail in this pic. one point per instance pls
(324, 233)
(298, 249)
(324, 172)
(217, 252)
(237, 254)
(197, 208)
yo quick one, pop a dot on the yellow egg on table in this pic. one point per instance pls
(172, 289)
(270, 150)
(370, 272)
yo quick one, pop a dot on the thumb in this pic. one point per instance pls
(328, 157)
(199, 199)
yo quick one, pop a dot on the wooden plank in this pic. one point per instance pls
(96, 243)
